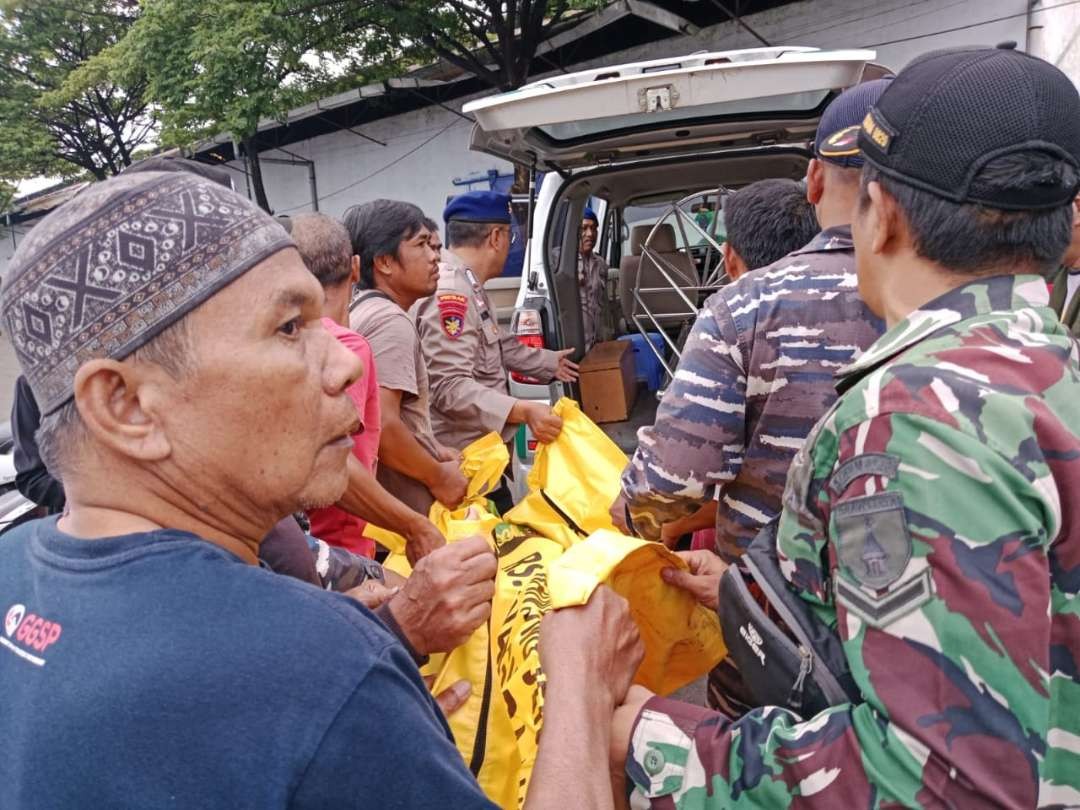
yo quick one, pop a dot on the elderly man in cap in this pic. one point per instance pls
(928, 553)
(190, 398)
(592, 273)
(468, 354)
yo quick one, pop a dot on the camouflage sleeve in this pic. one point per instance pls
(696, 441)
(340, 570)
(937, 545)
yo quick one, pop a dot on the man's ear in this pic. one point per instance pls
(121, 405)
(883, 220)
(384, 265)
(354, 273)
(734, 265)
(815, 181)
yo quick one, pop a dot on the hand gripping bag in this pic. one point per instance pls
(554, 548)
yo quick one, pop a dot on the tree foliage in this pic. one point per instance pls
(495, 40)
(45, 130)
(221, 66)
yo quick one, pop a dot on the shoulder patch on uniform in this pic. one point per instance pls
(894, 604)
(882, 464)
(452, 307)
(873, 545)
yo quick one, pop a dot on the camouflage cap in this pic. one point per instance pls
(112, 268)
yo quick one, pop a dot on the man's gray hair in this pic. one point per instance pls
(324, 246)
(460, 233)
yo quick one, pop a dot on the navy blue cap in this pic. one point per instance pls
(838, 132)
(590, 214)
(950, 113)
(479, 206)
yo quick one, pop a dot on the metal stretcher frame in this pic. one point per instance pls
(713, 277)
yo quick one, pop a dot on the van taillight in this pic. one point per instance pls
(527, 327)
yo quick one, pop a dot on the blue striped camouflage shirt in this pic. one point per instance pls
(757, 372)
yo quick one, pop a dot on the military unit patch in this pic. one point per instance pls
(872, 539)
(452, 308)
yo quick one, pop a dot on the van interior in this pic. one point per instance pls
(660, 236)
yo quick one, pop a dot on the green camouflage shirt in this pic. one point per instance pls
(932, 519)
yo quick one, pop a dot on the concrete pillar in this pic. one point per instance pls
(1054, 35)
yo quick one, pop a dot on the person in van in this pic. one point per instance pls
(592, 273)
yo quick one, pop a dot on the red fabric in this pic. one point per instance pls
(703, 538)
(336, 526)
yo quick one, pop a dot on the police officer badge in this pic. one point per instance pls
(452, 308)
(873, 549)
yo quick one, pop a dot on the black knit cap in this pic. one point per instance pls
(949, 113)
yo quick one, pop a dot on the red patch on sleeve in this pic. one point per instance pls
(452, 308)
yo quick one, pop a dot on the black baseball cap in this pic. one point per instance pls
(949, 113)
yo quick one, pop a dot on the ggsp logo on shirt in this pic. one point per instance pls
(29, 631)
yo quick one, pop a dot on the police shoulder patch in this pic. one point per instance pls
(452, 307)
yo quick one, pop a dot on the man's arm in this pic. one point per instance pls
(696, 441)
(365, 497)
(589, 655)
(528, 360)
(950, 654)
(400, 451)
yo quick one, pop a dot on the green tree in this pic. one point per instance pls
(494, 40)
(216, 66)
(45, 130)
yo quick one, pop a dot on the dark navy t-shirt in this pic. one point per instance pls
(158, 670)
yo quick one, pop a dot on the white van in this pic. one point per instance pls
(653, 147)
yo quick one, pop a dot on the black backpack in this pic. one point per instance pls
(785, 654)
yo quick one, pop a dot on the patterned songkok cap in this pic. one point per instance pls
(112, 268)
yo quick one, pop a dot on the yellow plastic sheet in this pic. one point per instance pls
(545, 561)
(573, 481)
(682, 639)
(482, 464)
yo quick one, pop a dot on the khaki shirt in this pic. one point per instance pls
(396, 347)
(468, 355)
(592, 283)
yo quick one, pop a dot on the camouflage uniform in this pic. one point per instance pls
(931, 520)
(592, 283)
(1067, 311)
(756, 374)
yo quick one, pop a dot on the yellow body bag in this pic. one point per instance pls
(553, 548)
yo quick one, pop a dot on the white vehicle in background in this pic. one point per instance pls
(654, 147)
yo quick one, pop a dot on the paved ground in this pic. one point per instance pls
(9, 370)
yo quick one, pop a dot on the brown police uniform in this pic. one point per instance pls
(468, 355)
